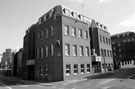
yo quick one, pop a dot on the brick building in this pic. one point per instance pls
(123, 45)
(62, 46)
(28, 55)
(102, 59)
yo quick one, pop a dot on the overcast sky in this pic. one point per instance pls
(17, 15)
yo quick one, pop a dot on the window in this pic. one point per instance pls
(82, 69)
(114, 54)
(119, 50)
(42, 52)
(103, 39)
(114, 48)
(73, 31)
(51, 29)
(74, 14)
(100, 39)
(68, 70)
(41, 35)
(106, 41)
(75, 69)
(66, 30)
(119, 44)
(74, 50)
(67, 49)
(46, 33)
(109, 41)
(81, 50)
(87, 51)
(108, 52)
(66, 11)
(88, 68)
(80, 33)
(86, 34)
(46, 51)
(37, 53)
(51, 50)
(104, 53)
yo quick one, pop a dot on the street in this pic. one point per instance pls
(120, 79)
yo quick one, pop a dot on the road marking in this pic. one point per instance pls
(5, 86)
(106, 81)
(24, 85)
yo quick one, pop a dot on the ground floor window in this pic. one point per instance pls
(75, 69)
(68, 70)
(88, 68)
(82, 69)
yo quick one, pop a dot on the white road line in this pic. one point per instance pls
(24, 85)
(106, 81)
(5, 86)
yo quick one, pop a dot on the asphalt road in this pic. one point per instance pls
(121, 79)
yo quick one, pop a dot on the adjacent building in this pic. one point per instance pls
(7, 62)
(102, 59)
(28, 55)
(123, 45)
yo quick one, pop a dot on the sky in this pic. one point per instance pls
(16, 16)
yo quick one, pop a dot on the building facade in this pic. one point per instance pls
(28, 55)
(123, 45)
(62, 46)
(102, 59)
(7, 62)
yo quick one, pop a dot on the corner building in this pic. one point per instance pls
(62, 45)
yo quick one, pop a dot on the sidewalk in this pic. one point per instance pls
(98, 75)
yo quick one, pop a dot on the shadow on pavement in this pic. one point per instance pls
(118, 74)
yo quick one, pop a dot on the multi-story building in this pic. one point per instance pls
(62, 45)
(102, 59)
(123, 45)
(7, 61)
(17, 63)
(28, 56)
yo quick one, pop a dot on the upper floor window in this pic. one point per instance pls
(86, 34)
(51, 29)
(81, 50)
(52, 50)
(66, 28)
(87, 51)
(74, 50)
(66, 11)
(73, 31)
(100, 38)
(104, 39)
(37, 53)
(80, 33)
(46, 51)
(104, 53)
(41, 35)
(73, 14)
(38, 36)
(46, 33)
(67, 49)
